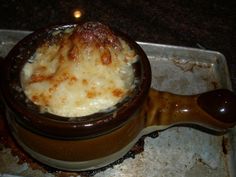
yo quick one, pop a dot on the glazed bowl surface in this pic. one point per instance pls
(51, 125)
(76, 143)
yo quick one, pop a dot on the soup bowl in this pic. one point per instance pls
(95, 140)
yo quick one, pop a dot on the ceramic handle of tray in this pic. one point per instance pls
(213, 110)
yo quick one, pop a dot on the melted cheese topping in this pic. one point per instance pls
(80, 74)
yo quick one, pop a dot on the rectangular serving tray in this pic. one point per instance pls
(178, 151)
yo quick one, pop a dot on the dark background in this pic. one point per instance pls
(207, 23)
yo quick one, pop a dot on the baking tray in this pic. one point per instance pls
(176, 152)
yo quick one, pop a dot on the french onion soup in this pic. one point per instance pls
(84, 70)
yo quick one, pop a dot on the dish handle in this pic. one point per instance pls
(213, 110)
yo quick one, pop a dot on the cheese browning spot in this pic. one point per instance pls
(85, 82)
(41, 98)
(82, 72)
(106, 57)
(118, 92)
(73, 53)
(37, 78)
(72, 80)
(91, 94)
(53, 88)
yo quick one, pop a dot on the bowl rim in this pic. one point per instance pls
(59, 127)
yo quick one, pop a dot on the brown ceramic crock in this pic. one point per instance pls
(96, 140)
